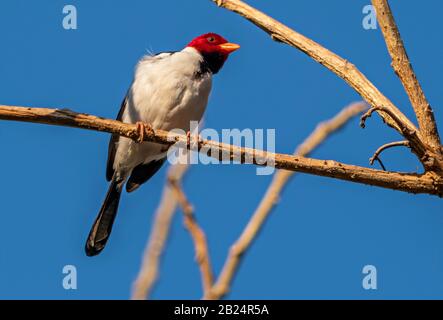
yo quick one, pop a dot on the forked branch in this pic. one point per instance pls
(271, 197)
(432, 160)
(403, 68)
(341, 67)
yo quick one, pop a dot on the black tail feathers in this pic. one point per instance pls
(101, 229)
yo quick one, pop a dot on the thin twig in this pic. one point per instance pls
(197, 234)
(406, 133)
(371, 110)
(377, 153)
(149, 270)
(381, 163)
(271, 197)
(429, 182)
(404, 70)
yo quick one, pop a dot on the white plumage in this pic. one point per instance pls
(167, 92)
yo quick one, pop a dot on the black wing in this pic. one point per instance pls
(113, 144)
(141, 173)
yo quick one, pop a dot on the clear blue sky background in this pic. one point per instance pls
(323, 232)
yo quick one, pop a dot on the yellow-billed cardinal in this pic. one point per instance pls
(169, 91)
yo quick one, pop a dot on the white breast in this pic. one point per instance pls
(167, 94)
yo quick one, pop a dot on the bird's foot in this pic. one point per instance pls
(142, 128)
(198, 140)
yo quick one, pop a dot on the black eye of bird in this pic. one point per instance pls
(211, 39)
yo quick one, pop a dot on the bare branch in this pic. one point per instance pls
(343, 68)
(377, 153)
(410, 135)
(431, 159)
(197, 234)
(430, 182)
(271, 198)
(148, 273)
(393, 116)
(404, 70)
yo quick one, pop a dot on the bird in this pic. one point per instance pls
(168, 91)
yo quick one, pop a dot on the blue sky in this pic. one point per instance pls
(323, 232)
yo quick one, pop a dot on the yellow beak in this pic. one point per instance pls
(229, 47)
